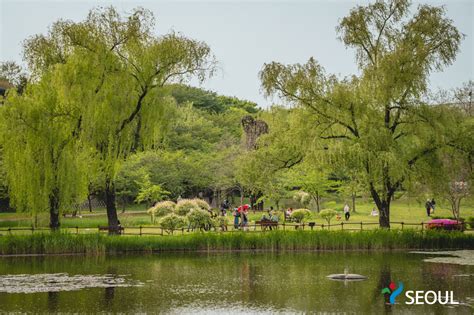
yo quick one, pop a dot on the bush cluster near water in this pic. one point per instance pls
(97, 244)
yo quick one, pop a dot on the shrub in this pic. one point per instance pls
(161, 209)
(184, 206)
(470, 221)
(202, 204)
(302, 197)
(327, 215)
(172, 222)
(300, 215)
(199, 218)
(219, 222)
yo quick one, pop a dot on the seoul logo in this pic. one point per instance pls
(419, 297)
(393, 291)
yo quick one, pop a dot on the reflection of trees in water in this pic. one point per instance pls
(109, 292)
(384, 280)
(53, 301)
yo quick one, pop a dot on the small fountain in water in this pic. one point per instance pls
(347, 276)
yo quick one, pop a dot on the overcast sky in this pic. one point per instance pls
(242, 34)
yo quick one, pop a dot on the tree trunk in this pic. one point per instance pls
(383, 206)
(318, 199)
(353, 202)
(455, 206)
(89, 202)
(384, 217)
(54, 210)
(111, 207)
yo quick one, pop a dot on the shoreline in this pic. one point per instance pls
(275, 241)
(221, 251)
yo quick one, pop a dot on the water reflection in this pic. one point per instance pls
(53, 301)
(384, 280)
(236, 283)
(109, 292)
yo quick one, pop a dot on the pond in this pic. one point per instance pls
(239, 282)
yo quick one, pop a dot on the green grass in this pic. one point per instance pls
(97, 244)
(407, 210)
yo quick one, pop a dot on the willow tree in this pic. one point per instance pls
(376, 120)
(114, 68)
(45, 167)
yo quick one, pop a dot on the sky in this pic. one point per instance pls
(243, 35)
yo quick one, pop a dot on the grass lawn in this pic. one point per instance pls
(401, 211)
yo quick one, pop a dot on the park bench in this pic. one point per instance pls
(107, 228)
(264, 224)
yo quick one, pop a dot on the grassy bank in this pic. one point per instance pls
(95, 244)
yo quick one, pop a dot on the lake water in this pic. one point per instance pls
(230, 283)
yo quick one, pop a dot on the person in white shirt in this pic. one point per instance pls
(347, 214)
(374, 212)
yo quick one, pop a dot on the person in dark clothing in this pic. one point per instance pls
(433, 205)
(428, 207)
(224, 207)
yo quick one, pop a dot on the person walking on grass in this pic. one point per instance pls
(428, 207)
(236, 215)
(245, 219)
(347, 214)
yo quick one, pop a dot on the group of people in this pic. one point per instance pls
(430, 206)
(240, 214)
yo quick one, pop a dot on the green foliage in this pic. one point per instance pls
(219, 222)
(328, 215)
(377, 122)
(150, 193)
(302, 197)
(97, 244)
(184, 206)
(199, 218)
(210, 101)
(161, 209)
(470, 221)
(330, 204)
(111, 70)
(46, 169)
(202, 204)
(301, 215)
(172, 222)
(12, 73)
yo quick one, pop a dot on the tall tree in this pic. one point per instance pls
(115, 69)
(377, 118)
(46, 168)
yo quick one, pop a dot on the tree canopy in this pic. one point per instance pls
(377, 121)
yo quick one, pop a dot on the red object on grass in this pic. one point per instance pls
(445, 224)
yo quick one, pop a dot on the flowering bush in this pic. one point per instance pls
(300, 215)
(161, 209)
(184, 206)
(199, 218)
(327, 215)
(202, 204)
(172, 222)
(220, 222)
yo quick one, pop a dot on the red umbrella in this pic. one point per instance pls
(245, 207)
